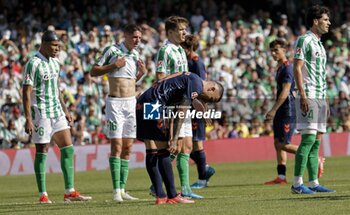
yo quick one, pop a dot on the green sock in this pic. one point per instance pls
(302, 155)
(183, 168)
(312, 163)
(67, 166)
(114, 166)
(124, 172)
(40, 171)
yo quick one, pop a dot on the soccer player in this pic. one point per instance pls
(123, 65)
(283, 111)
(196, 66)
(47, 118)
(311, 106)
(160, 136)
(171, 58)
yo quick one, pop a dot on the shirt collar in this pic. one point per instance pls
(124, 49)
(41, 56)
(167, 42)
(314, 37)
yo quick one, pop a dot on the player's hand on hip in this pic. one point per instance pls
(69, 119)
(304, 106)
(28, 127)
(121, 62)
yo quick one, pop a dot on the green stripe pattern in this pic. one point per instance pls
(171, 59)
(42, 74)
(311, 51)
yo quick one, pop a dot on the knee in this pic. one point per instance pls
(126, 150)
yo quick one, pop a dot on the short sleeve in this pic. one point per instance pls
(194, 86)
(29, 71)
(288, 76)
(161, 61)
(299, 52)
(108, 54)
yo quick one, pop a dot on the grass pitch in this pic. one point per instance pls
(236, 188)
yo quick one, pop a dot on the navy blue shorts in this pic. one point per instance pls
(151, 129)
(283, 128)
(198, 130)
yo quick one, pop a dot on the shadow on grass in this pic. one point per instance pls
(317, 198)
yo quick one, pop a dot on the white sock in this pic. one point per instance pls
(314, 183)
(68, 191)
(43, 193)
(298, 181)
(201, 181)
(282, 177)
(117, 190)
(122, 190)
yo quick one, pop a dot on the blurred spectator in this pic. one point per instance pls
(233, 45)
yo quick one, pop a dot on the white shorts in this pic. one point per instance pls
(186, 128)
(121, 117)
(315, 118)
(44, 129)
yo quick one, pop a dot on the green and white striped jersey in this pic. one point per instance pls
(110, 55)
(310, 49)
(171, 59)
(43, 74)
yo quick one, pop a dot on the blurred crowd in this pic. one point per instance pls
(234, 41)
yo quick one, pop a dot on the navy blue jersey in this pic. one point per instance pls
(196, 65)
(168, 91)
(285, 75)
(174, 89)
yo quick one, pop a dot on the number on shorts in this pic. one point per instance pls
(112, 125)
(41, 131)
(309, 114)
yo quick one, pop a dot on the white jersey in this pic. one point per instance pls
(310, 49)
(43, 74)
(112, 53)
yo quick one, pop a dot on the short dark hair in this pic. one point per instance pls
(315, 12)
(131, 28)
(221, 90)
(191, 42)
(49, 36)
(173, 22)
(204, 98)
(279, 41)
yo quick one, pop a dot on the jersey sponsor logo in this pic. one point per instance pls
(194, 125)
(152, 111)
(286, 128)
(49, 76)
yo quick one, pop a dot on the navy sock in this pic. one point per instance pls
(281, 169)
(166, 170)
(153, 172)
(201, 162)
